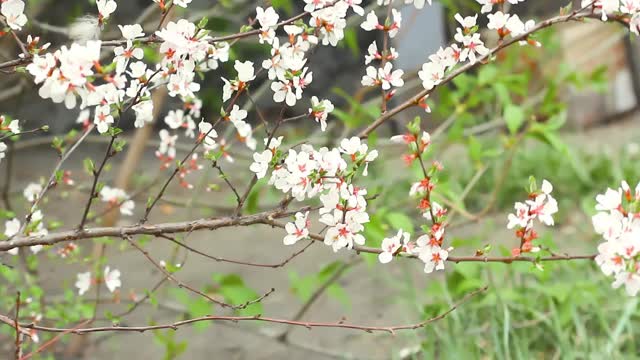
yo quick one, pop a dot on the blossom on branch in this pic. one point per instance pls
(618, 221)
(13, 12)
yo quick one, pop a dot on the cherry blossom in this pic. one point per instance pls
(487, 5)
(112, 279)
(102, 118)
(540, 205)
(391, 245)
(432, 74)
(83, 282)
(12, 126)
(13, 12)
(372, 23)
(11, 227)
(419, 4)
(330, 22)
(144, 113)
(105, 8)
(389, 77)
(320, 110)
(312, 5)
(245, 74)
(617, 220)
(260, 163)
(472, 46)
(117, 198)
(182, 3)
(297, 230)
(268, 19)
(32, 191)
(433, 258)
(355, 6)
(167, 146)
(610, 200)
(131, 32)
(207, 134)
(66, 81)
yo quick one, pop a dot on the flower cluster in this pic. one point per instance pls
(325, 172)
(286, 67)
(618, 221)
(469, 46)
(383, 76)
(425, 248)
(429, 246)
(506, 25)
(540, 205)
(626, 10)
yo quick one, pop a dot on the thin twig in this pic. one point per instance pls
(238, 262)
(307, 324)
(318, 293)
(18, 352)
(182, 285)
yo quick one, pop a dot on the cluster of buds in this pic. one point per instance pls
(540, 205)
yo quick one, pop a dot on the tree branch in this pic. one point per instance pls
(307, 324)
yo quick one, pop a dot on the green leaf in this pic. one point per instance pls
(475, 149)
(338, 292)
(351, 41)
(502, 93)
(487, 74)
(89, 167)
(286, 5)
(400, 221)
(514, 117)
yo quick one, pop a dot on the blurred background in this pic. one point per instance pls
(566, 112)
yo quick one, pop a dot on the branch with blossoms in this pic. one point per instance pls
(105, 80)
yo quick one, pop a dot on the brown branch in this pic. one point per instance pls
(53, 340)
(224, 177)
(18, 352)
(574, 16)
(142, 229)
(309, 325)
(96, 177)
(454, 259)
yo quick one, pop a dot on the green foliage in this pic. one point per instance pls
(305, 286)
(528, 314)
(234, 291)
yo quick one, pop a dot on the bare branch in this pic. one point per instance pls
(307, 324)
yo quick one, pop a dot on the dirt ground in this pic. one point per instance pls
(371, 289)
